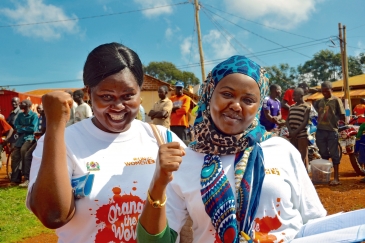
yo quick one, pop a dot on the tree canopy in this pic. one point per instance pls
(167, 71)
(282, 75)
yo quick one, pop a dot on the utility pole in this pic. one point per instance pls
(345, 73)
(197, 7)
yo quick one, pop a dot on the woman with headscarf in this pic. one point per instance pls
(237, 185)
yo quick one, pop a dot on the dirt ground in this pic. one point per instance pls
(346, 197)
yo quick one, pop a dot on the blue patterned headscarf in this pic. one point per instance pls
(218, 197)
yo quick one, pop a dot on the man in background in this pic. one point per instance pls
(161, 110)
(296, 123)
(72, 110)
(180, 109)
(270, 116)
(82, 110)
(29, 154)
(330, 111)
(25, 124)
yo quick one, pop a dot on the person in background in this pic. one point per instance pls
(359, 110)
(14, 112)
(360, 148)
(287, 102)
(25, 124)
(5, 130)
(117, 149)
(270, 116)
(179, 114)
(72, 111)
(11, 119)
(141, 115)
(330, 111)
(161, 110)
(296, 123)
(233, 181)
(41, 129)
(82, 110)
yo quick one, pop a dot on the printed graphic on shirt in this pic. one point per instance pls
(92, 166)
(140, 161)
(263, 226)
(324, 115)
(119, 218)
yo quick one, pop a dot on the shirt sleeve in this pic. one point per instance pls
(167, 106)
(266, 105)
(88, 111)
(341, 110)
(288, 96)
(6, 127)
(166, 236)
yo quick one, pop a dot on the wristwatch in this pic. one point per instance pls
(156, 204)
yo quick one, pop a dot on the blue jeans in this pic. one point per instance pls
(327, 142)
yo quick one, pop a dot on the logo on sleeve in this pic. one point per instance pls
(92, 166)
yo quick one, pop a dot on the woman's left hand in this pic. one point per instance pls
(170, 158)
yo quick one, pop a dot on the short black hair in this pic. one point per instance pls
(79, 92)
(164, 87)
(326, 84)
(299, 90)
(274, 87)
(109, 59)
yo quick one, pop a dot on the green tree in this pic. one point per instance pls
(327, 66)
(283, 75)
(167, 71)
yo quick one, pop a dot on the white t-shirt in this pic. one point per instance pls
(82, 111)
(288, 197)
(123, 165)
(72, 114)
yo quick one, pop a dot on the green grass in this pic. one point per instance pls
(16, 221)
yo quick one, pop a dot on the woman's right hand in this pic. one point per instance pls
(170, 158)
(57, 106)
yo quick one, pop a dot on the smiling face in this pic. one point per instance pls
(235, 103)
(115, 102)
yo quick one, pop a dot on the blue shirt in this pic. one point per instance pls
(272, 105)
(26, 125)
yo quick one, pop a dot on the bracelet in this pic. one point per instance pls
(156, 204)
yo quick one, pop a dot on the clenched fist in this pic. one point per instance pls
(57, 106)
(170, 158)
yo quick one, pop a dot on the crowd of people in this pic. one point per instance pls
(230, 172)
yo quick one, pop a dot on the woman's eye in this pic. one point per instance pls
(248, 101)
(128, 96)
(107, 97)
(227, 95)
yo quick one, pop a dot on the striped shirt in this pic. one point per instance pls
(296, 117)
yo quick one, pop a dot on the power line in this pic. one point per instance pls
(49, 82)
(262, 37)
(267, 26)
(91, 17)
(357, 27)
(218, 26)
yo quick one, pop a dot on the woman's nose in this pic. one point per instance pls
(235, 106)
(118, 105)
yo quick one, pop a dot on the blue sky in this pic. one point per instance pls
(52, 54)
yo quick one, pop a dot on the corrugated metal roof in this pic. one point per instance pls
(353, 94)
(353, 82)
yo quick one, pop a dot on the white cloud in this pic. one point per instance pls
(276, 13)
(35, 11)
(155, 3)
(170, 32)
(218, 45)
(79, 74)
